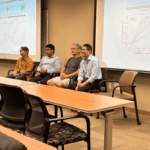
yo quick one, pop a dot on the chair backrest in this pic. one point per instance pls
(127, 78)
(35, 124)
(13, 107)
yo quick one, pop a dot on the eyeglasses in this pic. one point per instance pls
(72, 48)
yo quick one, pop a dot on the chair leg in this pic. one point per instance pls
(137, 116)
(97, 117)
(88, 145)
(124, 113)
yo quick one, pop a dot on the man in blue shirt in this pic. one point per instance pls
(90, 70)
(49, 64)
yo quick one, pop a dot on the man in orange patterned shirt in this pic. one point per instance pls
(24, 64)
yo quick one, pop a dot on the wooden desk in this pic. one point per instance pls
(31, 144)
(14, 81)
(85, 102)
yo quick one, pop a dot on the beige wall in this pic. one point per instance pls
(72, 21)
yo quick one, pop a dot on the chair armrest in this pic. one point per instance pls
(100, 84)
(10, 71)
(66, 118)
(48, 121)
(55, 74)
(73, 79)
(27, 73)
(121, 86)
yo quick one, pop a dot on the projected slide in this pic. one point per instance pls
(126, 39)
(136, 33)
(17, 26)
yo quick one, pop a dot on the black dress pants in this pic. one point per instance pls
(43, 78)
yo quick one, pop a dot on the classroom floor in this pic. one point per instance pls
(127, 135)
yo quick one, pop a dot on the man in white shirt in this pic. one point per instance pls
(49, 64)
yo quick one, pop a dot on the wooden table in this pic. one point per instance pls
(84, 102)
(31, 144)
(14, 81)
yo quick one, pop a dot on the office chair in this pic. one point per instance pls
(50, 130)
(14, 107)
(126, 84)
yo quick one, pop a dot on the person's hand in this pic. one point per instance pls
(79, 85)
(42, 71)
(16, 75)
(63, 76)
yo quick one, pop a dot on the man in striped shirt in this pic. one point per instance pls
(89, 72)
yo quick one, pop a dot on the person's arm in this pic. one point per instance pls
(94, 69)
(63, 70)
(40, 65)
(57, 66)
(17, 65)
(72, 74)
(81, 71)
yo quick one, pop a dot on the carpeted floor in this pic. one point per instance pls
(127, 135)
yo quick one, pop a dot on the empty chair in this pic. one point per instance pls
(126, 84)
(54, 132)
(13, 108)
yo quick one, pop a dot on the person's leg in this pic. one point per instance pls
(54, 81)
(85, 88)
(20, 77)
(10, 76)
(72, 86)
(45, 79)
(64, 83)
(36, 79)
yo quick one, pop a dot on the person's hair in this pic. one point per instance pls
(77, 45)
(88, 47)
(25, 49)
(51, 46)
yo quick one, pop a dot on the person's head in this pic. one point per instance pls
(76, 49)
(86, 50)
(50, 50)
(24, 51)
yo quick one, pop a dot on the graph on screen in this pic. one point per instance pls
(136, 33)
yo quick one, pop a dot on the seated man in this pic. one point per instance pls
(70, 69)
(24, 64)
(49, 64)
(90, 71)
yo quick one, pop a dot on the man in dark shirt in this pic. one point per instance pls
(70, 69)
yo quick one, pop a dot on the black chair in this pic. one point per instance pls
(14, 107)
(54, 132)
(27, 73)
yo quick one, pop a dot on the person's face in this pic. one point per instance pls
(74, 50)
(85, 53)
(49, 52)
(23, 53)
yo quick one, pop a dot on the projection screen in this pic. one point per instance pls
(123, 34)
(20, 25)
